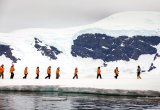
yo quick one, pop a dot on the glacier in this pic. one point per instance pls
(126, 87)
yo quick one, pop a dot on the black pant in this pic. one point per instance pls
(116, 76)
(138, 75)
(12, 75)
(1, 74)
(37, 76)
(57, 76)
(75, 76)
(25, 76)
(48, 76)
(99, 75)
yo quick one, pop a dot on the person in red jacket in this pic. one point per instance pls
(48, 72)
(12, 71)
(37, 72)
(58, 73)
(2, 71)
(99, 73)
(116, 72)
(76, 73)
(25, 72)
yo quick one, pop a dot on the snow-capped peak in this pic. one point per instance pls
(131, 20)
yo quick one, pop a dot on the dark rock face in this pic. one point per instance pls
(46, 50)
(151, 67)
(157, 55)
(107, 48)
(7, 51)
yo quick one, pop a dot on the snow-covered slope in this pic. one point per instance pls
(126, 40)
(131, 20)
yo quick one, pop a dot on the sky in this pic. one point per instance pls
(20, 14)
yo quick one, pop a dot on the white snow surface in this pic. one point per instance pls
(126, 23)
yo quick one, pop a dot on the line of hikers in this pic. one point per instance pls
(117, 73)
(99, 73)
(12, 69)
